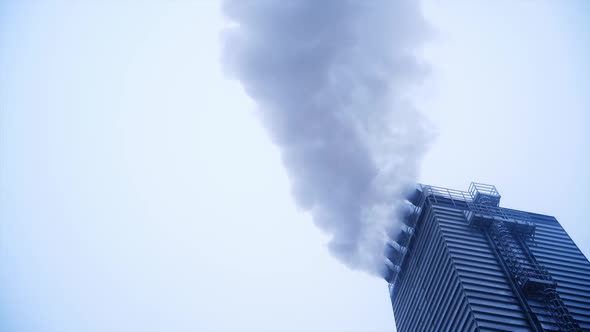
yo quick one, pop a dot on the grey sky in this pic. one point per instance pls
(139, 190)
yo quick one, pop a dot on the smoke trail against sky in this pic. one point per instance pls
(330, 79)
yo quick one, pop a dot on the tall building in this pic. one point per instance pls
(463, 263)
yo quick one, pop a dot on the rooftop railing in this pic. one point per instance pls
(451, 194)
(486, 189)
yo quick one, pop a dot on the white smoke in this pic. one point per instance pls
(330, 79)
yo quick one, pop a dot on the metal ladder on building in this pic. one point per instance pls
(559, 311)
(532, 277)
(509, 251)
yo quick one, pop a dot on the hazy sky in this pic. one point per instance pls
(139, 191)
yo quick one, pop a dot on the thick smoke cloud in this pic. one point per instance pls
(330, 79)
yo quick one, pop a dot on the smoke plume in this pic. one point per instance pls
(330, 79)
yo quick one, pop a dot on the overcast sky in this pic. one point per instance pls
(140, 192)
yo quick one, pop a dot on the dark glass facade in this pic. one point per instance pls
(463, 263)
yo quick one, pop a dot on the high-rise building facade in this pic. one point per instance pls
(463, 263)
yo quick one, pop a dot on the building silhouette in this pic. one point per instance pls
(463, 263)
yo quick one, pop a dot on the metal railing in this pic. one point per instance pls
(499, 212)
(481, 199)
(484, 194)
(435, 193)
(482, 188)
